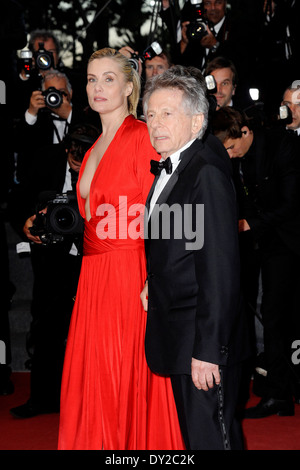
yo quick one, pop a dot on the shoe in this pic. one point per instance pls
(270, 406)
(29, 410)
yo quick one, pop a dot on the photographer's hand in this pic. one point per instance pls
(65, 108)
(184, 38)
(127, 51)
(74, 164)
(27, 226)
(209, 40)
(37, 102)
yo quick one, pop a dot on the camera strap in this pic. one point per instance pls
(60, 131)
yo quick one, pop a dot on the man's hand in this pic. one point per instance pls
(144, 297)
(204, 374)
(27, 226)
(127, 51)
(184, 37)
(243, 225)
(209, 40)
(74, 164)
(37, 101)
(65, 108)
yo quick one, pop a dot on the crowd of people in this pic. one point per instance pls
(141, 338)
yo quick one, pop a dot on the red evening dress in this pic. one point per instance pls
(109, 398)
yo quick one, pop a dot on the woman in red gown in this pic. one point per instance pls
(109, 398)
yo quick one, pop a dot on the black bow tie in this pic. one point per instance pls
(292, 131)
(156, 167)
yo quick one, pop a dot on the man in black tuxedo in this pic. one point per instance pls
(194, 325)
(266, 169)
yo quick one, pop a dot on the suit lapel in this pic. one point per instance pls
(185, 158)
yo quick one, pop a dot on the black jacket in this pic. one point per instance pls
(194, 291)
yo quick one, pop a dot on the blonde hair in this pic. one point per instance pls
(129, 73)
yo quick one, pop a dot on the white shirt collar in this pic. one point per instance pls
(219, 25)
(176, 155)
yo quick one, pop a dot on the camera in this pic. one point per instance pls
(197, 27)
(151, 51)
(211, 84)
(285, 114)
(53, 97)
(43, 59)
(61, 220)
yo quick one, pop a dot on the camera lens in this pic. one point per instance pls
(53, 97)
(134, 64)
(43, 61)
(63, 219)
(53, 100)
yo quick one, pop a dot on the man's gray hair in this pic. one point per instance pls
(191, 82)
(56, 74)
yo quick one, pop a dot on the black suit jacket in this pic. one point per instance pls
(272, 205)
(194, 294)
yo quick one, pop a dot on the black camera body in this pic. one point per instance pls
(44, 60)
(196, 30)
(151, 51)
(62, 220)
(32, 62)
(53, 97)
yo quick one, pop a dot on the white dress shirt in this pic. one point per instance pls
(164, 176)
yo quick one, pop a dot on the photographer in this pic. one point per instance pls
(55, 261)
(44, 56)
(45, 123)
(204, 26)
(208, 29)
(266, 176)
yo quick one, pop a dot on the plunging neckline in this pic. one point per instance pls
(97, 168)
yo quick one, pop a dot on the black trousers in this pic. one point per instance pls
(56, 275)
(208, 419)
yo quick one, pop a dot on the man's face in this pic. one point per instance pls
(237, 148)
(169, 124)
(49, 45)
(225, 87)
(214, 10)
(156, 66)
(291, 99)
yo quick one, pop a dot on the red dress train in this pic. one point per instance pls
(109, 398)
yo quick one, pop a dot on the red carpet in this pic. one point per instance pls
(40, 433)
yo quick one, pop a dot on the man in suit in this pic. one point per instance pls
(267, 179)
(194, 328)
(291, 99)
(227, 33)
